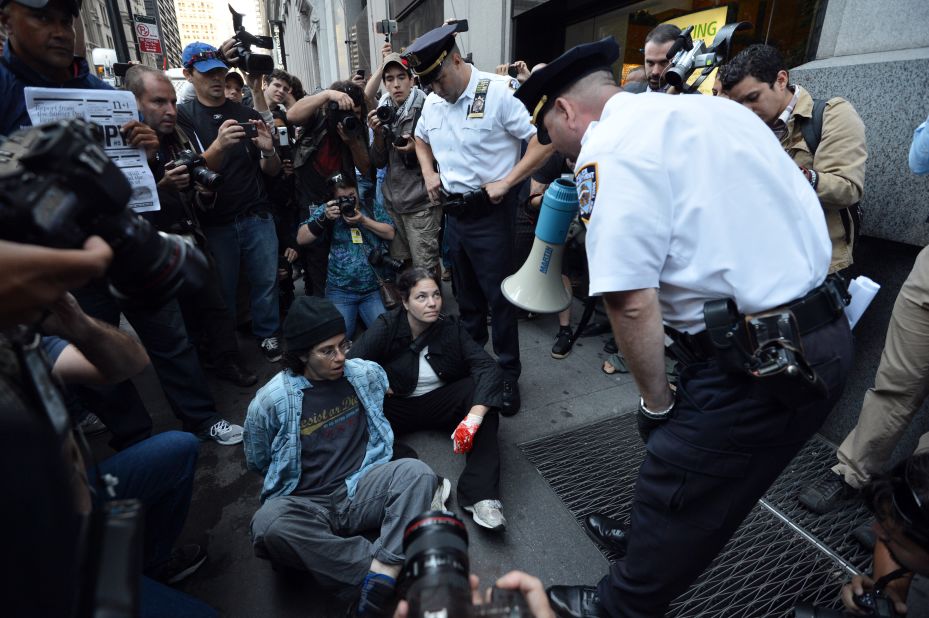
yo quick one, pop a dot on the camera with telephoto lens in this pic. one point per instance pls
(434, 579)
(199, 172)
(344, 117)
(387, 114)
(58, 187)
(249, 62)
(687, 56)
(874, 602)
(382, 258)
(347, 205)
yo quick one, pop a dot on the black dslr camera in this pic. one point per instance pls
(196, 167)
(347, 205)
(875, 603)
(434, 580)
(686, 56)
(387, 114)
(344, 117)
(251, 63)
(58, 187)
(382, 258)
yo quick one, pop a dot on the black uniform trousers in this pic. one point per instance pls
(707, 466)
(481, 252)
(209, 321)
(443, 409)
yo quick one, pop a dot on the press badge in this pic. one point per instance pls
(480, 99)
(356, 236)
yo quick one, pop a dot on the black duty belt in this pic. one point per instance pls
(470, 205)
(812, 311)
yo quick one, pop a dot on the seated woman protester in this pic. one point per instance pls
(441, 379)
(351, 281)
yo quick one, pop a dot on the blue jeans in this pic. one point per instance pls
(159, 472)
(350, 304)
(250, 240)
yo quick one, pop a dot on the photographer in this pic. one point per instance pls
(277, 88)
(357, 247)
(658, 43)
(205, 310)
(237, 221)
(418, 221)
(333, 139)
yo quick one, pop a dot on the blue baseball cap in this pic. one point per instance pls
(203, 57)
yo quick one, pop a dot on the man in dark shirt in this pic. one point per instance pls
(237, 221)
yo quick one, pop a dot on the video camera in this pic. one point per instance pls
(434, 580)
(686, 56)
(247, 61)
(58, 187)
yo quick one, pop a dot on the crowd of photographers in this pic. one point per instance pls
(271, 183)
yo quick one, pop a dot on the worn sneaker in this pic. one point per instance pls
(827, 494)
(223, 432)
(487, 514)
(271, 349)
(91, 425)
(183, 563)
(562, 346)
(442, 492)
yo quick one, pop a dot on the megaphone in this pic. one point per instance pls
(537, 286)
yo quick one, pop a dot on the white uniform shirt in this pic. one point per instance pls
(694, 195)
(475, 151)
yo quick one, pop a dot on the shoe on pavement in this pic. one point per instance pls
(442, 492)
(92, 426)
(827, 494)
(606, 532)
(236, 373)
(222, 432)
(487, 514)
(271, 349)
(576, 601)
(183, 563)
(562, 347)
(511, 400)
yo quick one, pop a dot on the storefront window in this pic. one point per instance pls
(416, 19)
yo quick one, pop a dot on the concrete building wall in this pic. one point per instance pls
(876, 55)
(314, 39)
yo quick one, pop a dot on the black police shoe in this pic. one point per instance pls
(576, 601)
(511, 401)
(233, 372)
(827, 494)
(606, 532)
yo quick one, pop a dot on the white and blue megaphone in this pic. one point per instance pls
(537, 286)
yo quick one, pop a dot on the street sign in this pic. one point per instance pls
(146, 30)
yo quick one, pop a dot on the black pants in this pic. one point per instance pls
(481, 251)
(705, 469)
(207, 317)
(443, 409)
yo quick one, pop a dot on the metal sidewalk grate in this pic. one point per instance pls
(764, 570)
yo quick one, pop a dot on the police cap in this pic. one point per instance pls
(545, 84)
(427, 53)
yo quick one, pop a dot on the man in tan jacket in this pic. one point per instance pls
(825, 138)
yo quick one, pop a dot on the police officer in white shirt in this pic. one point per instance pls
(701, 222)
(473, 128)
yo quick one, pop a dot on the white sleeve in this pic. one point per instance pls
(515, 118)
(629, 234)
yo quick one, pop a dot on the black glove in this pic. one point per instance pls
(646, 421)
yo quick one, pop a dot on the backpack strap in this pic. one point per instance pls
(812, 128)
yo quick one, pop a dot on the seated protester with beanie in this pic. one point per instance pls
(357, 240)
(317, 433)
(441, 379)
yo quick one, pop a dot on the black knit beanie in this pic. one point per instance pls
(310, 320)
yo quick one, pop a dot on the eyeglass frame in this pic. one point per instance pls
(345, 346)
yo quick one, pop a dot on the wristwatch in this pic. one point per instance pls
(267, 156)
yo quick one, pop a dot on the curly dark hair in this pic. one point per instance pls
(763, 62)
(911, 475)
(280, 75)
(408, 279)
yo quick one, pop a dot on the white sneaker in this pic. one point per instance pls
(225, 433)
(442, 492)
(271, 349)
(487, 514)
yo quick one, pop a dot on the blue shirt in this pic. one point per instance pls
(272, 427)
(15, 75)
(349, 269)
(919, 150)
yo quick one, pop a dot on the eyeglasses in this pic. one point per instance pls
(330, 354)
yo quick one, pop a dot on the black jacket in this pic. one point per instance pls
(452, 354)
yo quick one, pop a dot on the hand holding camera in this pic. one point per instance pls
(230, 133)
(176, 178)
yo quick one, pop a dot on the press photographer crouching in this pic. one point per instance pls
(900, 502)
(78, 537)
(184, 180)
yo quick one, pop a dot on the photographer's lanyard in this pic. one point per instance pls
(47, 392)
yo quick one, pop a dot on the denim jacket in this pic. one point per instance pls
(272, 427)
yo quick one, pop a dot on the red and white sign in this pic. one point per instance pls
(146, 29)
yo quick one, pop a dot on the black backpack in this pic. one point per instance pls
(812, 131)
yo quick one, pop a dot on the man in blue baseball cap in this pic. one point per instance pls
(236, 219)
